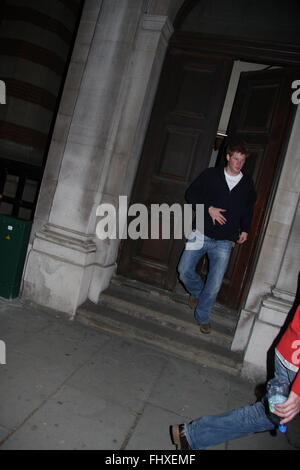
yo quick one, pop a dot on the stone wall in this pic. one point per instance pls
(95, 149)
(274, 285)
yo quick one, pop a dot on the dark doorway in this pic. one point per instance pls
(262, 116)
(178, 145)
(180, 139)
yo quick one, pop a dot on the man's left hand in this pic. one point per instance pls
(242, 238)
(289, 409)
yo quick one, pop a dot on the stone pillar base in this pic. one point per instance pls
(272, 315)
(59, 269)
(101, 279)
(243, 331)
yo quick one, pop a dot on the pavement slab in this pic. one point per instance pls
(67, 386)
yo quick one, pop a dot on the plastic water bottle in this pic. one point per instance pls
(278, 392)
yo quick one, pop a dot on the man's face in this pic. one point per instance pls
(235, 163)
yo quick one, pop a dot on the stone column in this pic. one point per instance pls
(274, 284)
(129, 130)
(101, 145)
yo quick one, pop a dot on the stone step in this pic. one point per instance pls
(155, 319)
(173, 304)
(164, 312)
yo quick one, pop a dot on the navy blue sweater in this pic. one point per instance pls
(211, 189)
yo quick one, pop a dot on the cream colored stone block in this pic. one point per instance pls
(53, 164)
(81, 166)
(71, 207)
(283, 213)
(260, 342)
(259, 288)
(68, 102)
(270, 259)
(243, 331)
(100, 281)
(289, 272)
(274, 311)
(118, 21)
(290, 174)
(54, 283)
(91, 10)
(62, 127)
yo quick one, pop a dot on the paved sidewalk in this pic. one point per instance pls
(69, 386)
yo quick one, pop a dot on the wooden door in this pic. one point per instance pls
(177, 148)
(262, 116)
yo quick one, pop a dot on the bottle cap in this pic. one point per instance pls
(282, 428)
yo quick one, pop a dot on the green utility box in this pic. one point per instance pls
(14, 237)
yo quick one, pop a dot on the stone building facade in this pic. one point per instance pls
(93, 157)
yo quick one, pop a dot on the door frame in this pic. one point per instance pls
(273, 54)
(280, 129)
(264, 52)
(167, 120)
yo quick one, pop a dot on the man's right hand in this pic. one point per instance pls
(216, 215)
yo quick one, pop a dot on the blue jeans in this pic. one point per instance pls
(212, 430)
(218, 252)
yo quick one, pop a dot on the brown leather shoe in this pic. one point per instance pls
(205, 328)
(178, 437)
(193, 302)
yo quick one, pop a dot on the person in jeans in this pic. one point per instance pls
(212, 430)
(228, 196)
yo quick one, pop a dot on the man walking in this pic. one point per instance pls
(208, 431)
(228, 197)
